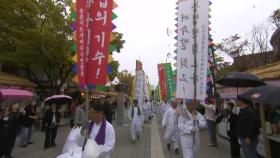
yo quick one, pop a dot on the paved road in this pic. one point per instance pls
(150, 145)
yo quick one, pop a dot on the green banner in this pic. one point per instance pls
(170, 86)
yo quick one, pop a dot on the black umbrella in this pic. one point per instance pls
(268, 95)
(240, 79)
(58, 99)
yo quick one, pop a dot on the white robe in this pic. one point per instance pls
(162, 108)
(103, 150)
(110, 139)
(189, 138)
(136, 123)
(170, 122)
(146, 109)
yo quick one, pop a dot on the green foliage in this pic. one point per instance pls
(275, 18)
(233, 46)
(118, 42)
(35, 37)
(115, 69)
(126, 78)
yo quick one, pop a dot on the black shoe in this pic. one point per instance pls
(177, 152)
(53, 145)
(168, 147)
(30, 143)
(138, 136)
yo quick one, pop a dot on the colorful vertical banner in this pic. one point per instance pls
(100, 29)
(162, 81)
(186, 55)
(169, 78)
(139, 86)
(81, 36)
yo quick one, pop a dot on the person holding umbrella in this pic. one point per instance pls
(52, 119)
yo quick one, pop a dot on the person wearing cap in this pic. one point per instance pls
(135, 116)
(247, 127)
(169, 122)
(189, 123)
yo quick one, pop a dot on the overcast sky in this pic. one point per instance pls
(147, 27)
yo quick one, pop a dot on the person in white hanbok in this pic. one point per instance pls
(170, 124)
(146, 110)
(189, 123)
(99, 134)
(135, 117)
(163, 105)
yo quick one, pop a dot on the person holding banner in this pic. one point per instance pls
(135, 117)
(189, 123)
(99, 132)
(169, 122)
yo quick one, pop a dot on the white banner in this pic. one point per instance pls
(185, 55)
(146, 90)
(139, 87)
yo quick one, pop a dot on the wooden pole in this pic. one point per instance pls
(194, 58)
(87, 100)
(265, 139)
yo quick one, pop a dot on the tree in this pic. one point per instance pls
(275, 18)
(233, 46)
(115, 69)
(259, 42)
(118, 42)
(127, 78)
(35, 38)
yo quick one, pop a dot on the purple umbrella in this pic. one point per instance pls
(58, 99)
(14, 93)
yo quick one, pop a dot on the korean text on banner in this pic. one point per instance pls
(185, 55)
(100, 25)
(81, 40)
(169, 80)
(162, 81)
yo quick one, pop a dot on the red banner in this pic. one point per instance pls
(100, 26)
(81, 40)
(162, 81)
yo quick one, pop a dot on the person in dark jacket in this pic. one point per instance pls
(52, 119)
(4, 132)
(108, 109)
(13, 128)
(231, 130)
(247, 127)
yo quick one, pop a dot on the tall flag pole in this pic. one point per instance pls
(93, 26)
(192, 49)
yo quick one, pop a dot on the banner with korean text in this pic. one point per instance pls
(100, 29)
(187, 27)
(139, 83)
(162, 81)
(81, 35)
(170, 87)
